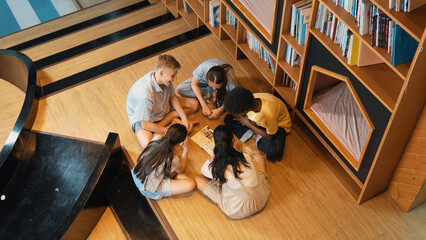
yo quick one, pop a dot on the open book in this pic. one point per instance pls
(204, 138)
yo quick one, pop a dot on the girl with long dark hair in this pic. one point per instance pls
(159, 172)
(211, 80)
(235, 180)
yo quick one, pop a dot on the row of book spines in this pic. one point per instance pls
(291, 56)
(405, 5)
(230, 19)
(186, 7)
(374, 22)
(286, 81)
(256, 47)
(301, 12)
(351, 6)
(333, 27)
(381, 33)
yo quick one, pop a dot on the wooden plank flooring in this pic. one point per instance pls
(307, 201)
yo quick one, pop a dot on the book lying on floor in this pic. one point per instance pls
(204, 138)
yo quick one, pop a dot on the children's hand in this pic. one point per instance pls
(206, 110)
(243, 120)
(215, 113)
(236, 144)
(185, 143)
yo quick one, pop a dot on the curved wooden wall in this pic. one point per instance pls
(20, 71)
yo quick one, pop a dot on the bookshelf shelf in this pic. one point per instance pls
(401, 70)
(293, 72)
(229, 44)
(413, 22)
(294, 44)
(373, 77)
(350, 22)
(214, 30)
(190, 18)
(232, 32)
(258, 63)
(171, 6)
(197, 7)
(399, 88)
(288, 94)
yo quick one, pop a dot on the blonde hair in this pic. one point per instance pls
(167, 61)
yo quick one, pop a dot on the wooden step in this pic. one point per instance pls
(64, 22)
(110, 52)
(89, 34)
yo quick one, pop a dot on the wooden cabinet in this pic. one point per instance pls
(400, 89)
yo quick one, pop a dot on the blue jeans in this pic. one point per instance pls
(184, 89)
(273, 148)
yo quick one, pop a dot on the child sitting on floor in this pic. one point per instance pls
(159, 172)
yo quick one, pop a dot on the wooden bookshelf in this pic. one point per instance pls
(197, 7)
(229, 44)
(349, 21)
(293, 72)
(190, 18)
(400, 89)
(288, 94)
(171, 6)
(257, 62)
(230, 31)
(294, 44)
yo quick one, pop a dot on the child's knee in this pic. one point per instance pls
(193, 104)
(190, 184)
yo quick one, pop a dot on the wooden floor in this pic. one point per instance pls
(307, 201)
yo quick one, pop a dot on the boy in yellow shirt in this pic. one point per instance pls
(261, 116)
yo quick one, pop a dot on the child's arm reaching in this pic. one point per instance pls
(184, 157)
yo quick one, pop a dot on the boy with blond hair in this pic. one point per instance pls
(152, 104)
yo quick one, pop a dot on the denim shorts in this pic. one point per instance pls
(136, 127)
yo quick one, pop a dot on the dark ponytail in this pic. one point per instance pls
(225, 154)
(217, 74)
(160, 152)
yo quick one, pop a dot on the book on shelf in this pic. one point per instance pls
(230, 19)
(353, 52)
(383, 31)
(291, 57)
(186, 7)
(214, 13)
(339, 33)
(204, 139)
(256, 47)
(404, 46)
(363, 16)
(405, 5)
(301, 12)
(288, 82)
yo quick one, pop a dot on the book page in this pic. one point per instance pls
(204, 138)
